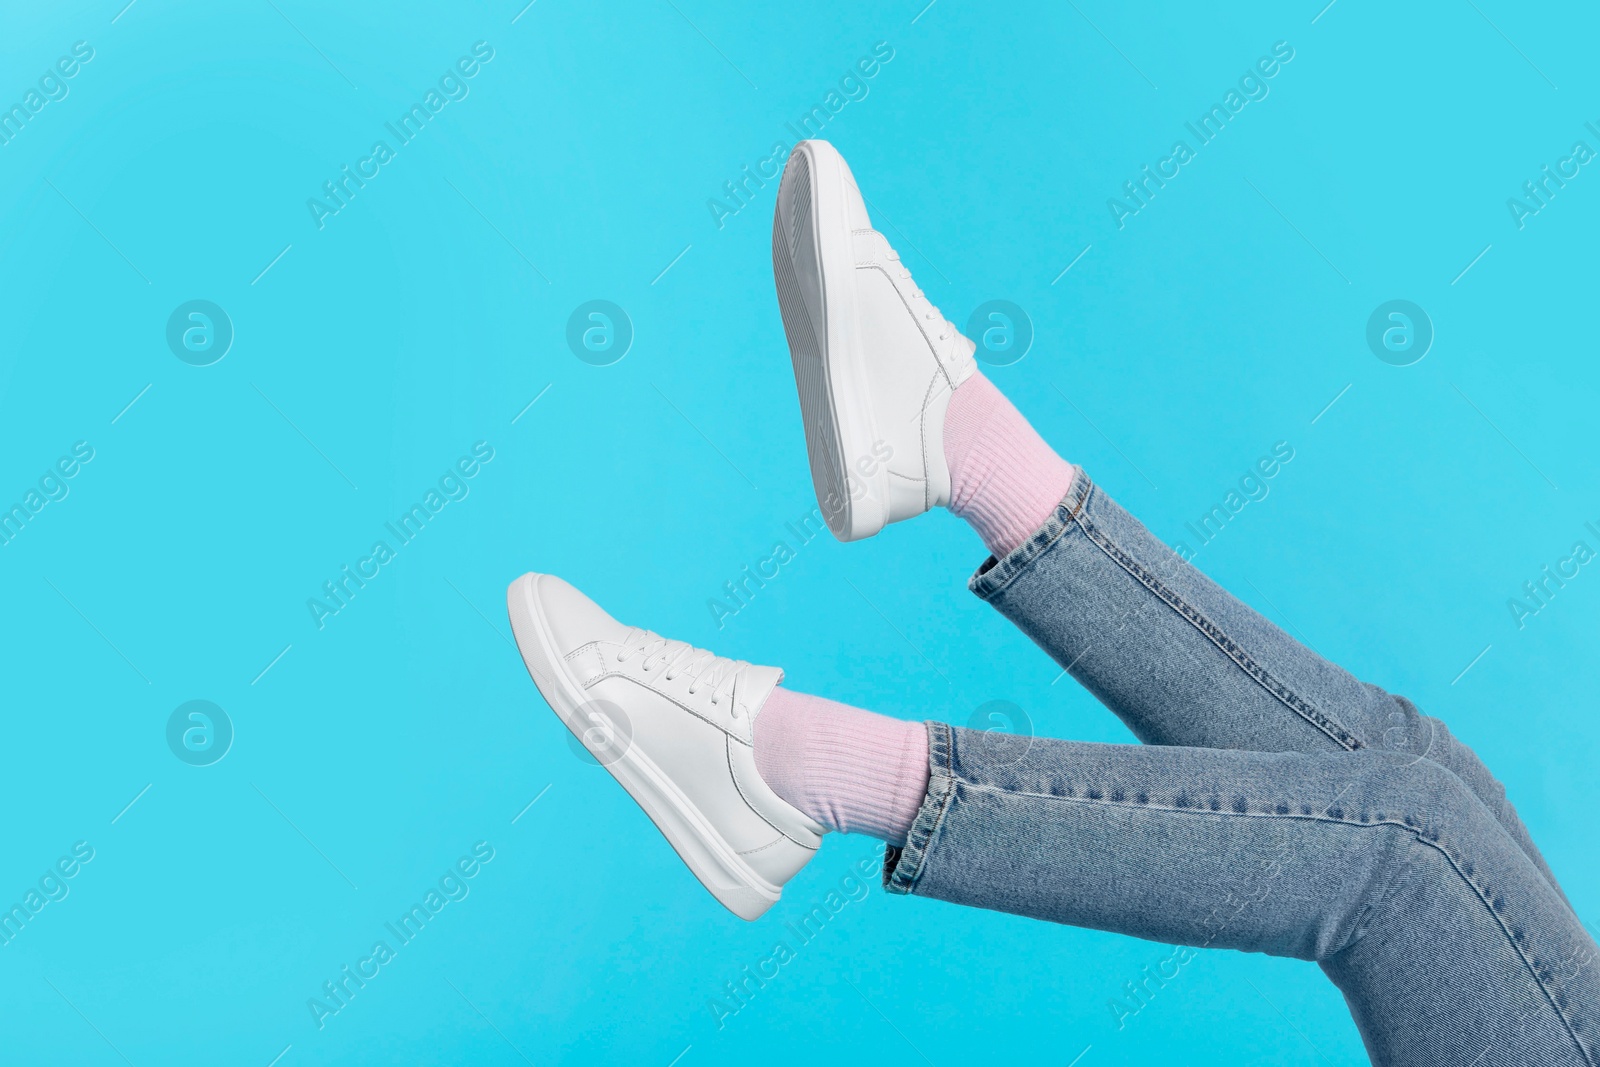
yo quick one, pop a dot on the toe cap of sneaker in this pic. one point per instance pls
(827, 164)
(571, 619)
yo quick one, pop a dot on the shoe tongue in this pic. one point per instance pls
(965, 347)
(757, 686)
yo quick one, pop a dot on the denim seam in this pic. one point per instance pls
(1416, 834)
(920, 861)
(1214, 633)
(997, 574)
(910, 858)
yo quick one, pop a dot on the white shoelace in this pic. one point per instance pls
(929, 312)
(680, 657)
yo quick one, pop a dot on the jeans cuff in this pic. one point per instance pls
(903, 863)
(996, 574)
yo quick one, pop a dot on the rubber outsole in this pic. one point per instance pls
(810, 211)
(706, 853)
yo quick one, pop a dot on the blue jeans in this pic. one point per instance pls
(1278, 805)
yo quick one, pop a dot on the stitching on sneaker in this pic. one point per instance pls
(733, 772)
(922, 432)
(933, 349)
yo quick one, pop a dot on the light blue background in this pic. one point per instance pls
(428, 313)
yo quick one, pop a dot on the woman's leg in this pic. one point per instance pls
(898, 421)
(1173, 654)
(1413, 884)
(1449, 945)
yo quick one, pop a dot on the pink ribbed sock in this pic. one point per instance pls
(1004, 480)
(851, 770)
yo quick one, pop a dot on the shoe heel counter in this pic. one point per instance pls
(779, 860)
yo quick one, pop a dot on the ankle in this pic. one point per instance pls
(848, 769)
(1004, 480)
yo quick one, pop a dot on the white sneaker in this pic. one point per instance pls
(874, 361)
(673, 725)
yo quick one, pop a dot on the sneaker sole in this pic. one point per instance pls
(712, 859)
(811, 218)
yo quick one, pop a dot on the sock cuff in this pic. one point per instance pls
(850, 770)
(1004, 480)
